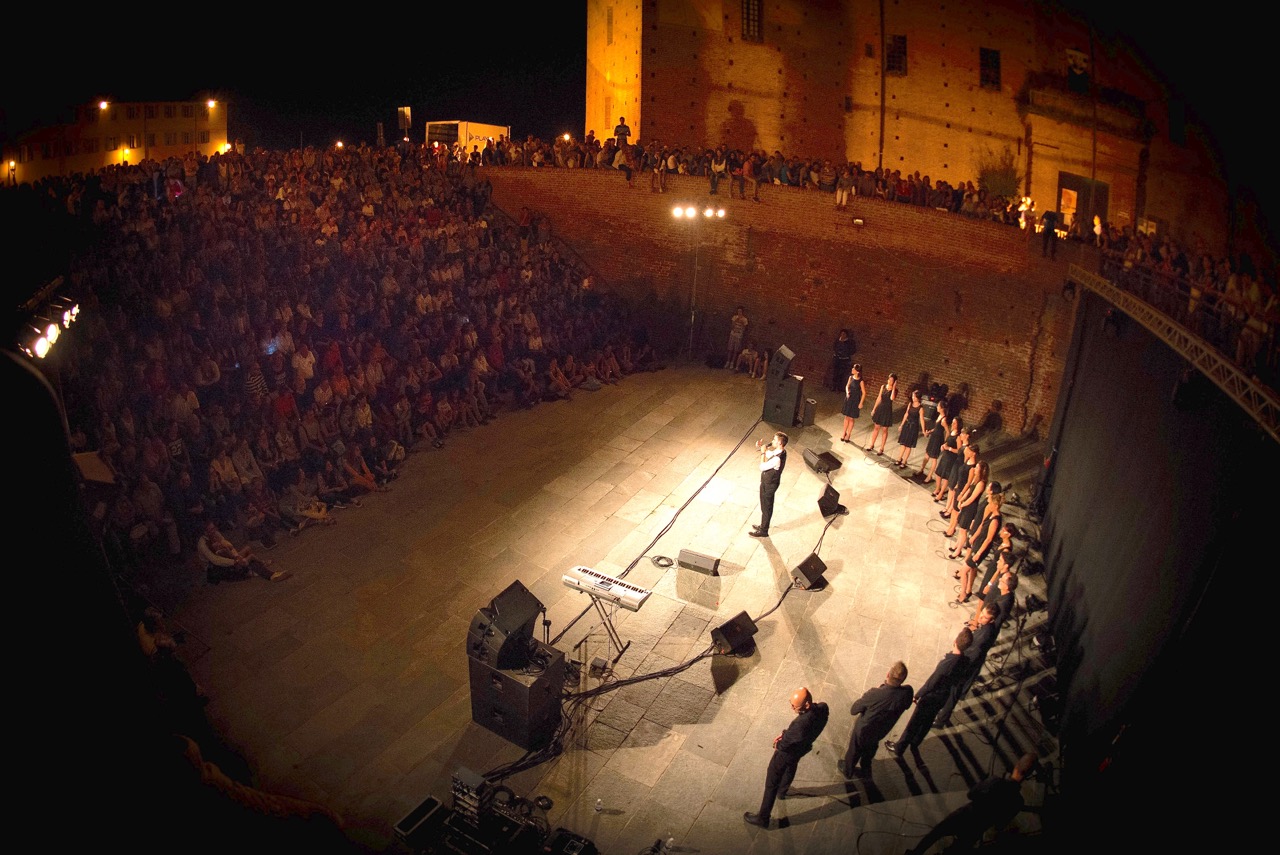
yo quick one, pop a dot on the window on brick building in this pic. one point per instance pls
(989, 68)
(895, 55)
(113, 143)
(608, 25)
(752, 26)
(169, 112)
(188, 112)
(150, 111)
(202, 137)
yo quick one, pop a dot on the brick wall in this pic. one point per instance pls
(923, 291)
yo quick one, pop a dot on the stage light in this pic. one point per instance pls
(49, 329)
(38, 343)
(690, 212)
(677, 212)
(65, 310)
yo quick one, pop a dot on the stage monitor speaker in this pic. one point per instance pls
(521, 708)
(779, 366)
(808, 573)
(501, 634)
(782, 402)
(829, 502)
(691, 560)
(733, 634)
(516, 609)
(822, 463)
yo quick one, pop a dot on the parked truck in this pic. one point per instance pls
(467, 134)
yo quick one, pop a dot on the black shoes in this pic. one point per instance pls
(758, 821)
(756, 531)
(891, 747)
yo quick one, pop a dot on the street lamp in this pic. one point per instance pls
(689, 213)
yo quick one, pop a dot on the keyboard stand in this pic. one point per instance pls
(614, 639)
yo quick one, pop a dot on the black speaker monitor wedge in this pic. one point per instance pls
(734, 633)
(808, 573)
(822, 463)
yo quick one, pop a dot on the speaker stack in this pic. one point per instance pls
(783, 391)
(516, 681)
(521, 706)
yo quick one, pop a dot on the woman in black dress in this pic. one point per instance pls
(882, 414)
(967, 507)
(934, 446)
(910, 430)
(983, 535)
(854, 395)
(947, 459)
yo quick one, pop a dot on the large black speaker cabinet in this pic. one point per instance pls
(782, 402)
(779, 366)
(501, 634)
(808, 573)
(521, 708)
(734, 633)
(691, 560)
(822, 463)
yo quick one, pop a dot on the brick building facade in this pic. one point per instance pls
(1007, 91)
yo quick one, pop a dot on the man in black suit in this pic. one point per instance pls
(789, 746)
(880, 709)
(1002, 594)
(933, 694)
(985, 626)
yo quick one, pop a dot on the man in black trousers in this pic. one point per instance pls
(985, 626)
(773, 459)
(880, 709)
(933, 694)
(790, 745)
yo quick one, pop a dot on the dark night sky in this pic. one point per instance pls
(320, 78)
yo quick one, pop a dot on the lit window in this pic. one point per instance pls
(989, 68)
(752, 28)
(895, 55)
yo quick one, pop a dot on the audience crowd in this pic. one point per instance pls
(266, 336)
(745, 171)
